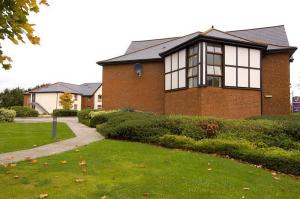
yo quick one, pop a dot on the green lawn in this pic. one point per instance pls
(123, 170)
(18, 136)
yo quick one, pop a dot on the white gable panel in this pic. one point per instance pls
(230, 55)
(175, 61)
(242, 77)
(254, 58)
(182, 58)
(168, 81)
(168, 64)
(243, 56)
(254, 78)
(174, 80)
(230, 76)
(182, 78)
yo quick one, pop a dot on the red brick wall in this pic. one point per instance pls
(276, 82)
(217, 102)
(87, 102)
(123, 88)
(230, 103)
(183, 102)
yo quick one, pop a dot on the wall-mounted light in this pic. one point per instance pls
(268, 96)
(138, 68)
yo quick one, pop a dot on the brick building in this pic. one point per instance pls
(232, 74)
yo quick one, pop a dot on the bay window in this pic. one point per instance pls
(214, 59)
(193, 66)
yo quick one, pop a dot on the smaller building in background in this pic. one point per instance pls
(46, 99)
(296, 104)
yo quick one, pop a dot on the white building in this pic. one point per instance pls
(46, 99)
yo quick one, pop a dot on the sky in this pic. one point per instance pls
(75, 34)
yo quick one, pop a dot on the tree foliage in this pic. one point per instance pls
(65, 100)
(11, 97)
(15, 26)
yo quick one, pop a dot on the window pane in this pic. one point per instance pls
(255, 78)
(217, 60)
(218, 49)
(182, 78)
(174, 61)
(214, 81)
(192, 82)
(218, 70)
(192, 71)
(210, 48)
(175, 80)
(182, 58)
(243, 57)
(242, 77)
(210, 70)
(230, 76)
(210, 59)
(168, 64)
(168, 81)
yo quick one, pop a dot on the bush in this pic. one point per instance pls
(83, 116)
(64, 113)
(272, 143)
(98, 117)
(24, 111)
(271, 157)
(7, 115)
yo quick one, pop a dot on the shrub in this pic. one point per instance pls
(127, 109)
(7, 115)
(64, 113)
(270, 157)
(83, 116)
(98, 117)
(23, 111)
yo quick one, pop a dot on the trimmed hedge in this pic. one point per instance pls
(24, 111)
(272, 157)
(64, 113)
(273, 144)
(7, 115)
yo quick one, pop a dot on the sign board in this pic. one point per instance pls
(296, 104)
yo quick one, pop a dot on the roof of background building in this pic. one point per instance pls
(274, 38)
(86, 89)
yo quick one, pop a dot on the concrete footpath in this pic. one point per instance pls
(84, 136)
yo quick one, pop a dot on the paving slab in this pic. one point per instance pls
(84, 135)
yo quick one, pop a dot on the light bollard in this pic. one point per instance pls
(54, 128)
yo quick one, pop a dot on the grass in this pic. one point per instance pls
(18, 136)
(124, 170)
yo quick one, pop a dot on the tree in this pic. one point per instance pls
(65, 100)
(14, 24)
(11, 97)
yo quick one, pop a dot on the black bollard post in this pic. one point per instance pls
(54, 127)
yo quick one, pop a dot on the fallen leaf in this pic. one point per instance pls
(77, 150)
(208, 164)
(12, 165)
(34, 145)
(28, 158)
(43, 195)
(63, 162)
(103, 197)
(243, 197)
(78, 180)
(34, 161)
(82, 163)
(209, 169)
(146, 194)
(246, 188)
(276, 178)
(274, 173)
(84, 170)
(45, 163)
(16, 177)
